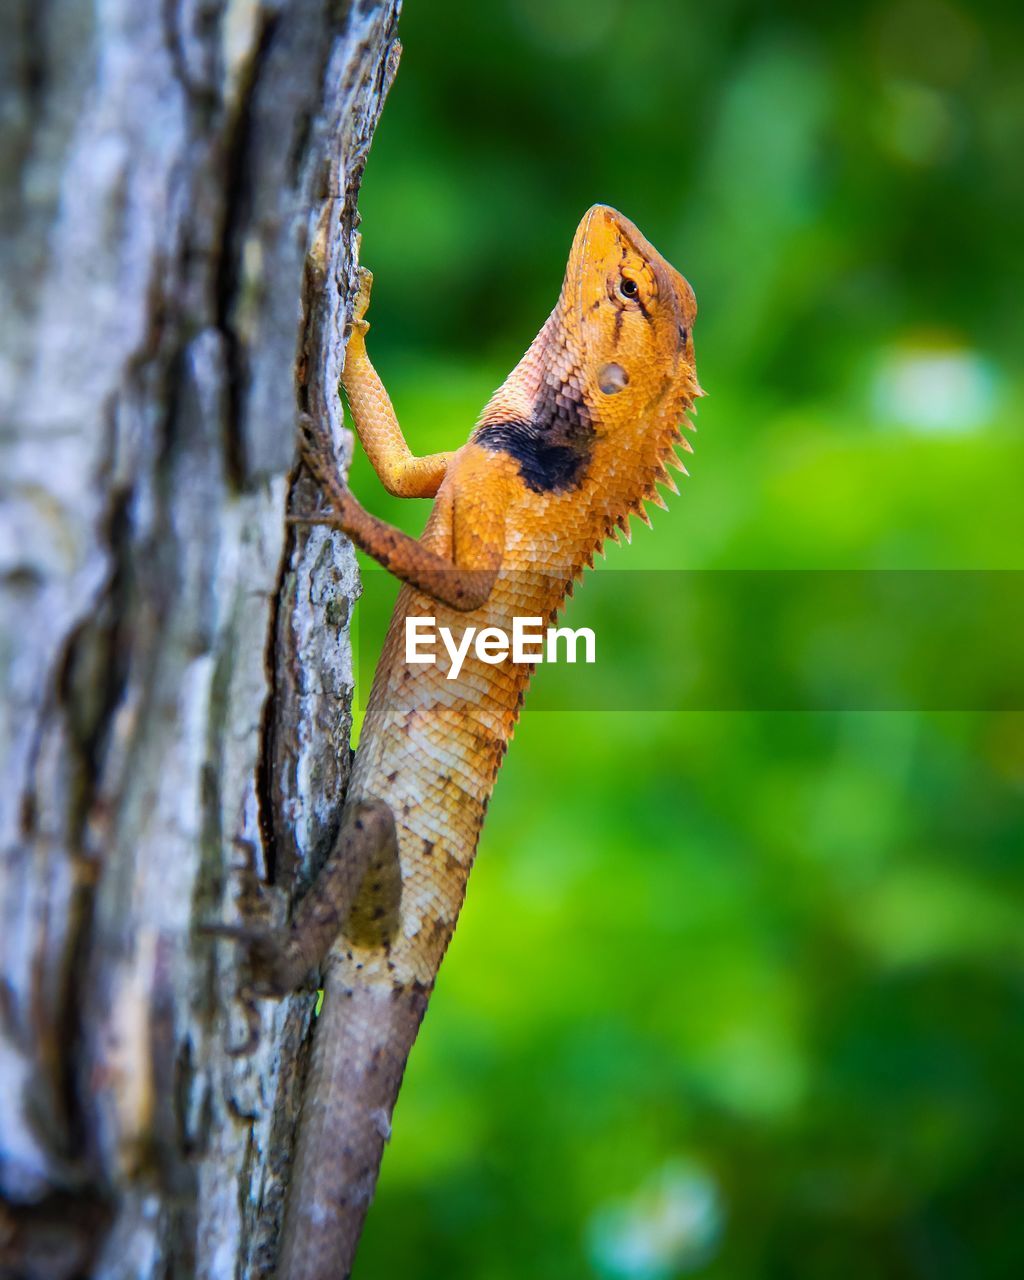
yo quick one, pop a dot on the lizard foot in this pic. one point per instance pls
(270, 957)
(318, 456)
(359, 308)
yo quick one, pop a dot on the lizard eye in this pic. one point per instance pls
(684, 334)
(628, 287)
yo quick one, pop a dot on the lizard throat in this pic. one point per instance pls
(554, 445)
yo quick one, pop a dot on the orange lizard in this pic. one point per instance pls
(569, 446)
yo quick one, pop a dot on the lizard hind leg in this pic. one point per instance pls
(361, 872)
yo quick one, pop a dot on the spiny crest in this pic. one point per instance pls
(666, 481)
(617, 526)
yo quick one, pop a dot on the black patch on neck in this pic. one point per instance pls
(553, 446)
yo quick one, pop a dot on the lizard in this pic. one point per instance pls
(568, 448)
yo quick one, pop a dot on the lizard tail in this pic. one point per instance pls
(363, 1038)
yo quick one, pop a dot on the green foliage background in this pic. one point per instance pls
(735, 994)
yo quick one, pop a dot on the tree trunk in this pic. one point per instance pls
(177, 200)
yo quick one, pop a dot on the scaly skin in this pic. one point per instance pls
(572, 444)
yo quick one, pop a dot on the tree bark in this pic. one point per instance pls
(178, 182)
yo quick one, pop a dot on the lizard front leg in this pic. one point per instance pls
(465, 580)
(400, 471)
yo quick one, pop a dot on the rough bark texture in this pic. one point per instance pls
(177, 207)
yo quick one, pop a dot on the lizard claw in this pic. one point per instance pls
(248, 849)
(247, 999)
(311, 439)
(317, 453)
(315, 517)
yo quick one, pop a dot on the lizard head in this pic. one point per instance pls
(635, 314)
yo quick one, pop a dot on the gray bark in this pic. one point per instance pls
(177, 206)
